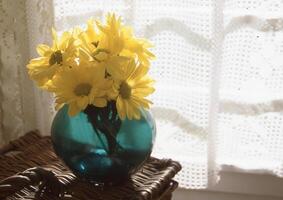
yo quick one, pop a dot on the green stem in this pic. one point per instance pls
(106, 121)
(100, 139)
(112, 137)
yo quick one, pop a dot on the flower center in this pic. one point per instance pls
(125, 90)
(82, 89)
(56, 57)
(95, 44)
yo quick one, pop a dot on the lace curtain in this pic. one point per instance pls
(219, 73)
(23, 24)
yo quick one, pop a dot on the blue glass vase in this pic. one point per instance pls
(99, 147)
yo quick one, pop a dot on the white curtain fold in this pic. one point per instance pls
(40, 20)
(219, 77)
(24, 24)
(17, 109)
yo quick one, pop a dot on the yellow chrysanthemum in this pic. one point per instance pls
(90, 38)
(112, 37)
(136, 48)
(80, 86)
(113, 45)
(133, 87)
(62, 53)
(120, 40)
(102, 48)
(103, 63)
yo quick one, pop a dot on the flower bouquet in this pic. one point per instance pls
(99, 77)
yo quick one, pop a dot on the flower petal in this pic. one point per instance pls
(120, 108)
(100, 102)
(73, 109)
(42, 49)
(82, 102)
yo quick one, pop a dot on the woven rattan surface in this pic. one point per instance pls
(29, 169)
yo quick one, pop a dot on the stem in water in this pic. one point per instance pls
(106, 121)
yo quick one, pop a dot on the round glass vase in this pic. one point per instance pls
(99, 147)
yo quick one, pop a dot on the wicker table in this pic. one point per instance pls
(29, 169)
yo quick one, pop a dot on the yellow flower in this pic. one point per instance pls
(133, 87)
(103, 63)
(80, 86)
(136, 48)
(89, 38)
(112, 45)
(62, 53)
(120, 40)
(103, 45)
(112, 37)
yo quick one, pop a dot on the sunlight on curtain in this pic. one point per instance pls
(250, 121)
